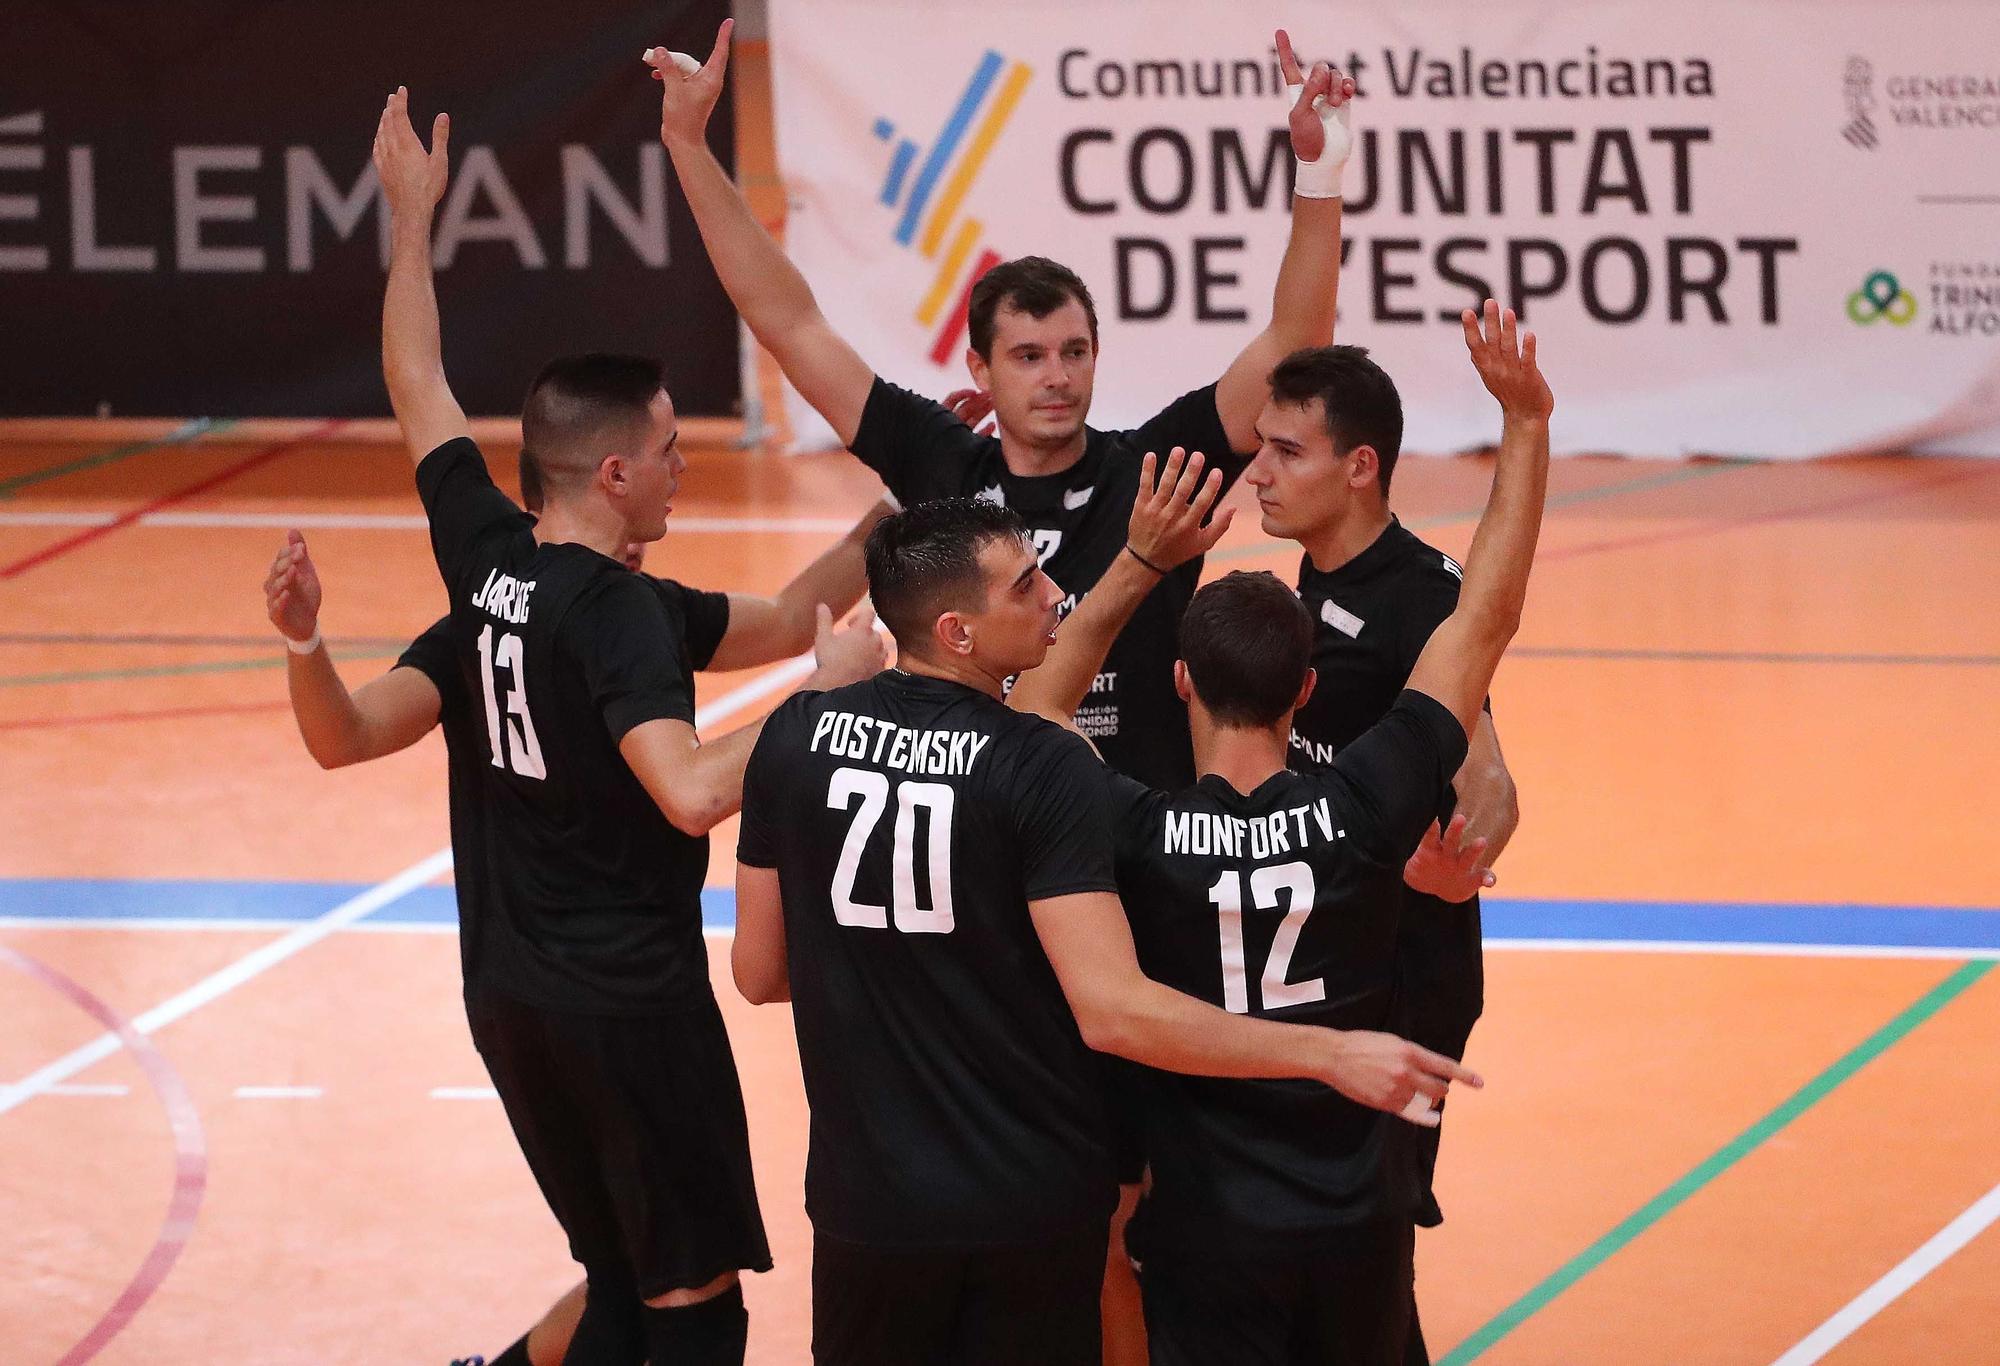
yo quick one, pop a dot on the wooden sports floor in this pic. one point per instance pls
(1741, 1030)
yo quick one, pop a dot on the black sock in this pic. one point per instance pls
(712, 1333)
(517, 1355)
(611, 1332)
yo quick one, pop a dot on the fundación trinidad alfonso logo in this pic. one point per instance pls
(928, 197)
(1882, 298)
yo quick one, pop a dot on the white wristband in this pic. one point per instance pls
(1321, 179)
(303, 647)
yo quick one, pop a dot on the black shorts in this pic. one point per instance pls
(1036, 1303)
(1124, 1083)
(1441, 988)
(634, 1129)
(1348, 1308)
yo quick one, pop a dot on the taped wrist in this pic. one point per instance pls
(1321, 178)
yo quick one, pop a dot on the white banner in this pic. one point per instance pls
(1746, 227)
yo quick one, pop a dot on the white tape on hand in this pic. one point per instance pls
(683, 63)
(1321, 178)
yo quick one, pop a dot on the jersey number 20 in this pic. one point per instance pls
(1295, 879)
(523, 751)
(873, 790)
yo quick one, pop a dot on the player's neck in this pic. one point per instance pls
(1029, 461)
(569, 524)
(1245, 757)
(1339, 541)
(953, 670)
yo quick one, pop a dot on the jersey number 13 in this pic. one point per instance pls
(509, 728)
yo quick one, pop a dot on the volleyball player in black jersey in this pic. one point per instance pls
(585, 856)
(1278, 1226)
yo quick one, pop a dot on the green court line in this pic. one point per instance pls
(188, 431)
(1644, 484)
(1725, 1157)
(175, 670)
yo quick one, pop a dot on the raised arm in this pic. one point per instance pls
(1457, 666)
(762, 630)
(765, 286)
(413, 181)
(697, 784)
(1166, 530)
(1302, 304)
(387, 714)
(1121, 1010)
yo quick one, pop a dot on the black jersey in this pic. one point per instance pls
(1281, 903)
(701, 620)
(1078, 520)
(587, 899)
(911, 821)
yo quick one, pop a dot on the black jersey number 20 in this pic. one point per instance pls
(872, 788)
(508, 721)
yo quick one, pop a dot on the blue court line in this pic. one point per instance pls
(1975, 930)
(946, 144)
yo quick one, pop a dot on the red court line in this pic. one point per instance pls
(106, 718)
(125, 519)
(1761, 518)
(190, 1156)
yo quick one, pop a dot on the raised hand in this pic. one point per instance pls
(1167, 528)
(847, 654)
(413, 179)
(1506, 362)
(1447, 865)
(972, 407)
(1384, 1072)
(688, 89)
(1319, 116)
(292, 591)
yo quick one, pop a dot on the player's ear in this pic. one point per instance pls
(1366, 469)
(612, 475)
(1183, 689)
(953, 634)
(981, 372)
(1305, 689)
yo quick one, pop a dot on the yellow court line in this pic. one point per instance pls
(975, 155)
(954, 261)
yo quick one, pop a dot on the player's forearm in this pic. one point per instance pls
(1303, 302)
(1486, 792)
(838, 578)
(1503, 547)
(767, 289)
(1160, 1027)
(714, 790)
(1058, 685)
(328, 720)
(412, 348)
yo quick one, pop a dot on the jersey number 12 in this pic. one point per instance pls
(516, 727)
(873, 790)
(1294, 879)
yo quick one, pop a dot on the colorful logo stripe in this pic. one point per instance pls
(928, 190)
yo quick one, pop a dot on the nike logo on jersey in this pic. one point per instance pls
(1076, 498)
(1340, 619)
(1453, 567)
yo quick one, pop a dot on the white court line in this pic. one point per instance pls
(219, 984)
(1884, 1292)
(280, 1092)
(90, 1088)
(384, 521)
(464, 1093)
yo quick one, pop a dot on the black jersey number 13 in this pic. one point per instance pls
(509, 728)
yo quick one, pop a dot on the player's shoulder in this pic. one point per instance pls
(1420, 559)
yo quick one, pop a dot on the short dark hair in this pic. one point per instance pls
(532, 497)
(1033, 285)
(1247, 642)
(924, 561)
(1361, 402)
(573, 405)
